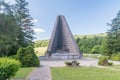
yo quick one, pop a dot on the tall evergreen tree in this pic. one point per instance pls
(113, 37)
(15, 27)
(24, 21)
(8, 31)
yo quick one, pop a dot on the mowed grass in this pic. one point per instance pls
(91, 55)
(84, 73)
(117, 67)
(40, 51)
(23, 72)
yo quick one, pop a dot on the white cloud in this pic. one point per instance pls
(38, 30)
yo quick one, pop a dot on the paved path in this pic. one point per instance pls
(60, 63)
(41, 73)
(83, 62)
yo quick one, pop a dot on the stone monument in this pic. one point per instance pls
(62, 44)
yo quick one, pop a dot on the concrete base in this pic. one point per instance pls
(65, 56)
(62, 56)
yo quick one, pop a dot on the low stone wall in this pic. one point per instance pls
(65, 56)
(62, 56)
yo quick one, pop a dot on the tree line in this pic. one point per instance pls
(41, 43)
(91, 44)
(15, 27)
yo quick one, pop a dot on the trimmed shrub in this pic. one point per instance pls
(27, 57)
(104, 62)
(8, 68)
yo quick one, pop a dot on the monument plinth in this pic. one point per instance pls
(62, 44)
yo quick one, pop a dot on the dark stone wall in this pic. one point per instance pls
(62, 40)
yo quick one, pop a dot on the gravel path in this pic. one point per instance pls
(60, 63)
(83, 62)
(41, 73)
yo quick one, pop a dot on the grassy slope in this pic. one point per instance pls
(91, 35)
(40, 51)
(22, 73)
(84, 73)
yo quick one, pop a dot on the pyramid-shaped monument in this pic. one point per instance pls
(62, 43)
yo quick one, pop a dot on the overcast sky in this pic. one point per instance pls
(83, 16)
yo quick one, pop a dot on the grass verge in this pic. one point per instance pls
(84, 73)
(23, 72)
(91, 55)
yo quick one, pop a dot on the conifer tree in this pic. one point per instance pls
(8, 31)
(24, 21)
(113, 37)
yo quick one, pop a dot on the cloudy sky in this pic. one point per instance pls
(83, 16)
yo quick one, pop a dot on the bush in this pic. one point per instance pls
(8, 68)
(12, 57)
(27, 57)
(104, 62)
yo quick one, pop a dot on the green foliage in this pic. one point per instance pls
(91, 45)
(8, 68)
(27, 57)
(41, 43)
(96, 49)
(90, 35)
(8, 34)
(24, 21)
(92, 55)
(77, 40)
(15, 27)
(113, 36)
(115, 57)
(104, 62)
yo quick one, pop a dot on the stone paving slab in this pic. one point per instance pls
(40, 73)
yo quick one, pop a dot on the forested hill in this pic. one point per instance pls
(91, 35)
(92, 43)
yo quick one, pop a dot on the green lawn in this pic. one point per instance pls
(91, 55)
(84, 73)
(22, 73)
(116, 66)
